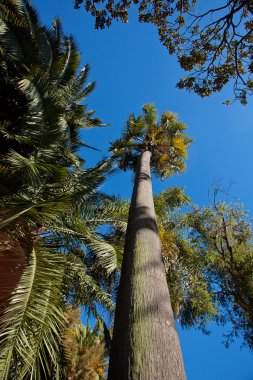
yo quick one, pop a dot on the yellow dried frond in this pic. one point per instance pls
(153, 133)
(167, 239)
(168, 117)
(163, 158)
(179, 144)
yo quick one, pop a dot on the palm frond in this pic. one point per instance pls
(71, 60)
(10, 219)
(105, 254)
(31, 324)
(165, 140)
(81, 287)
(9, 39)
(149, 115)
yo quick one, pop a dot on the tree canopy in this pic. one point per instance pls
(213, 43)
(221, 237)
(165, 139)
(50, 205)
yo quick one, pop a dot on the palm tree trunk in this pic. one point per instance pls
(145, 343)
(13, 262)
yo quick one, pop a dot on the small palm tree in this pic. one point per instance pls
(145, 343)
(86, 349)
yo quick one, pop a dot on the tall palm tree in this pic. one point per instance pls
(145, 343)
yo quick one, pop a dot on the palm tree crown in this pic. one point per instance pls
(165, 139)
(146, 145)
(41, 113)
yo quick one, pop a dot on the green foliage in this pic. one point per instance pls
(221, 236)
(170, 200)
(191, 298)
(32, 323)
(41, 114)
(45, 191)
(205, 284)
(166, 140)
(213, 43)
(86, 349)
(208, 256)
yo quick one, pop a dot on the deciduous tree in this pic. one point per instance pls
(212, 42)
(221, 237)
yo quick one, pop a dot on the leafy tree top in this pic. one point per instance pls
(165, 139)
(214, 43)
(221, 236)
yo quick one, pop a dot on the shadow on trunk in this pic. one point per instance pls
(145, 344)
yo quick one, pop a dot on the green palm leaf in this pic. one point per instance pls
(31, 324)
(83, 289)
(164, 138)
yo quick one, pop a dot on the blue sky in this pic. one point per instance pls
(131, 68)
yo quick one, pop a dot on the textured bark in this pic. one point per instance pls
(13, 261)
(145, 343)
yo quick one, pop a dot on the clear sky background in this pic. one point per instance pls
(132, 68)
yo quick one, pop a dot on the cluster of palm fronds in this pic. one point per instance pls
(51, 209)
(86, 349)
(165, 139)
